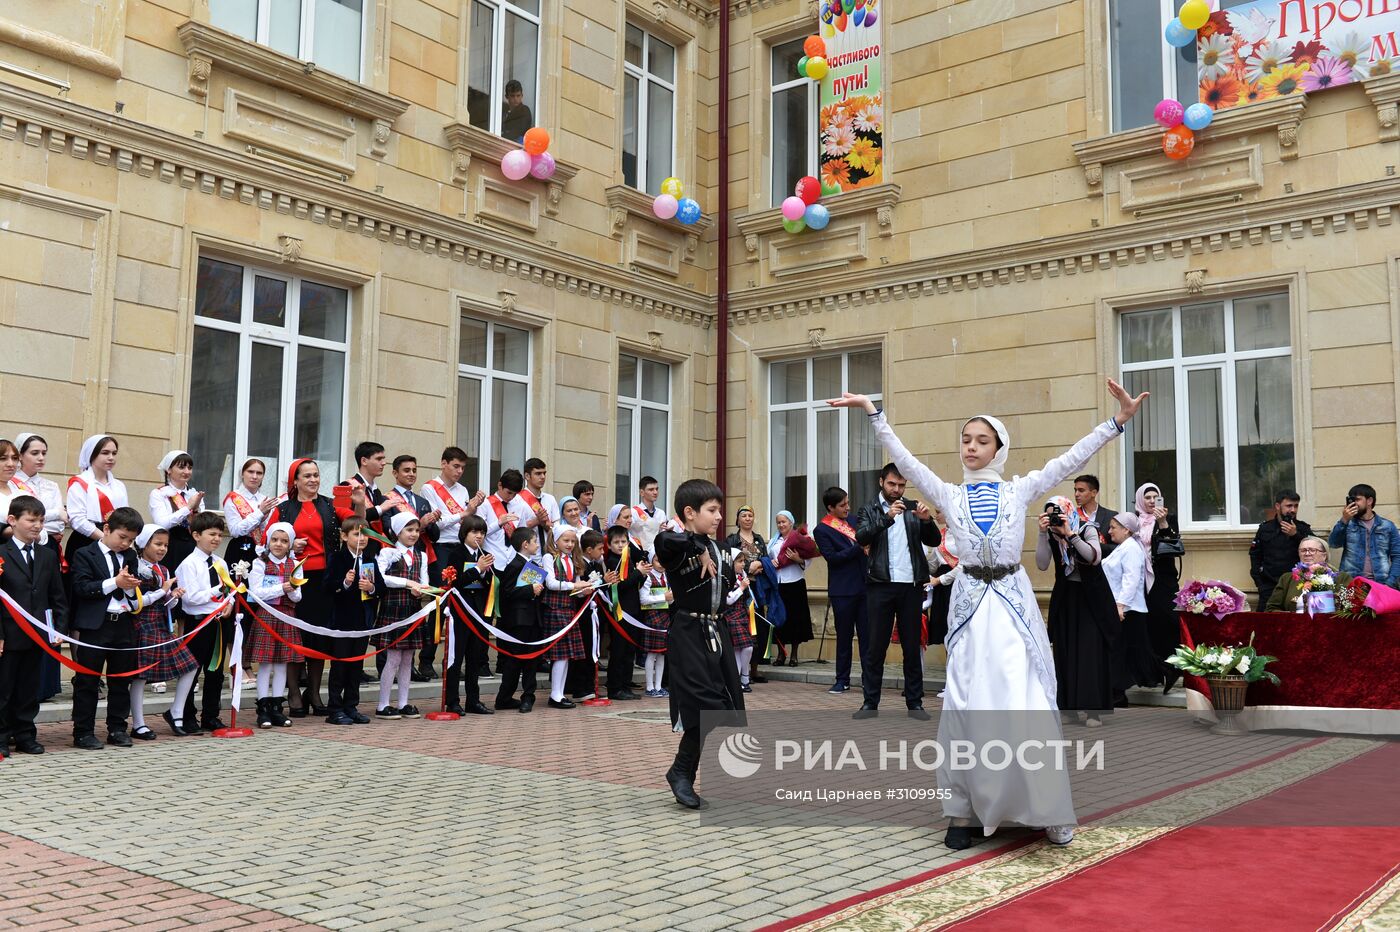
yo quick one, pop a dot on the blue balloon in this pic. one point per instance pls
(857, 17)
(816, 216)
(1178, 36)
(688, 212)
(1198, 116)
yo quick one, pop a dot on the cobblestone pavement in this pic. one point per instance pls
(553, 820)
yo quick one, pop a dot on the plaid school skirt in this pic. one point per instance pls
(559, 608)
(737, 615)
(397, 605)
(264, 648)
(171, 661)
(654, 642)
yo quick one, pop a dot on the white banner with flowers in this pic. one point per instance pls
(1276, 48)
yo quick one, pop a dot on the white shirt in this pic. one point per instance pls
(497, 541)
(239, 526)
(269, 589)
(84, 509)
(1126, 569)
(388, 556)
(792, 572)
(561, 583)
(118, 603)
(897, 541)
(450, 524)
(163, 510)
(46, 491)
(192, 575)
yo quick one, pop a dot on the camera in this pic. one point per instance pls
(1057, 517)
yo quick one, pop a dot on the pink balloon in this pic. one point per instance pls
(543, 166)
(793, 208)
(1168, 113)
(665, 206)
(515, 164)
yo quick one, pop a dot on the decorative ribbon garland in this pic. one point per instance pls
(473, 619)
(411, 624)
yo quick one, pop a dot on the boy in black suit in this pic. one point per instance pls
(31, 578)
(104, 592)
(583, 674)
(522, 581)
(352, 576)
(622, 654)
(472, 565)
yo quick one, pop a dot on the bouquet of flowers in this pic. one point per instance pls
(1314, 577)
(1366, 598)
(1212, 597)
(1221, 660)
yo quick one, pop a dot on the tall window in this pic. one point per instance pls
(327, 32)
(503, 62)
(648, 110)
(794, 121)
(1144, 68)
(267, 375)
(493, 400)
(813, 446)
(643, 423)
(1217, 435)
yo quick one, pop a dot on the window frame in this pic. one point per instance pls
(636, 403)
(644, 80)
(289, 339)
(500, 10)
(1224, 362)
(486, 376)
(814, 112)
(811, 406)
(306, 33)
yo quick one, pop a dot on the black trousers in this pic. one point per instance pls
(470, 655)
(343, 686)
(852, 619)
(583, 674)
(523, 674)
(217, 635)
(116, 631)
(19, 692)
(621, 657)
(891, 603)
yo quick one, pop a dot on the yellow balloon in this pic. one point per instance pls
(1194, 13)
(673, 187)
(817, 68)
(829, 30)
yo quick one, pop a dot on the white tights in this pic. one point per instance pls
(655, 665)
(398, 665)
(272, 680)
(177, 708)
(558, 672)
(742, 656)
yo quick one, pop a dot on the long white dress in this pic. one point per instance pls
(999, 657)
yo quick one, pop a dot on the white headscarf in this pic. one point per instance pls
(561, 529)
(400, 521)
(163, 466)
(85, 454)
(992, 472)
(21, 438)
(285, 527)
(145, 536)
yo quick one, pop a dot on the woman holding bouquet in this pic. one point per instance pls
(1311, 570)
(792, 551)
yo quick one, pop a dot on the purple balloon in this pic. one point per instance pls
(516, 164)
(869, 17)
(543, 166)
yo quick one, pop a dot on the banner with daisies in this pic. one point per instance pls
(852, 115)
(1267, 48)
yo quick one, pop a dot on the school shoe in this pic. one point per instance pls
(177, 727)
(839, 688)
(745, 688)
(1059, 835)
(510, 702)
(478, 708)
(141, 734)
(29, 746)
(663, 693)
(418, 676)
(918, 712)
(213, 724)
(561, 704)
(866, 710)
(527, 704)
(456, 708)
(87, 743)
(388, 712)
(683, 788)
(119, 739)
(623, 695)
(264, 714)
(410, 711)
(357, 717)
(339, 718)
(584, 697)
(274, 708)
(961, 836)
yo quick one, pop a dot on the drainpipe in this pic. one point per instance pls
(722, 303)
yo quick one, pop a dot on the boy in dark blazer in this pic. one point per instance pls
(845, 581)
(104, 593)
(354, 594)
(520, 618)
(31, 578)
(621, 653)
(472, 565)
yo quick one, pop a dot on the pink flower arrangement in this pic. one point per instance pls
(1212, 597)
(1325, 73)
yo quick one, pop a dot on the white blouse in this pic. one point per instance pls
(269, 588)
(46, 491)
(162, 504)
(84, 508)
(1126, 569)
(239, 526)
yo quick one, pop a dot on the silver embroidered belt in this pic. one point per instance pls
(990, 574)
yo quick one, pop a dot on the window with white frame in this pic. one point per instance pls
(503, 66)
(1217, 435)
(493, 399)
(813, 446)
(1143, 67)
(648, 110)
(327, 32)
(267, 375)
(643, 424)
(794, 121)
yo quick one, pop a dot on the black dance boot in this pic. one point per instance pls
(264, 713)
(683, 786)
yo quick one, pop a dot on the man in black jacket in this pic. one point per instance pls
(1086, 500)
(31, 578)
(895, 530)
(1274, 550)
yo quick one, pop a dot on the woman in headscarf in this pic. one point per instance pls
(172, 504)
(1126, 569)
(1157, 532)
(312, 515)
(1083, 622)
(33, 458)
(571, 514)
(94, 493)
(998, 652)
(751, 546)
(792, 551)
(245, 511)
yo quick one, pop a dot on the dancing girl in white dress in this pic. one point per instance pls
(999, 657)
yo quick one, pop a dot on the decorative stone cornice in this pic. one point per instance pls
(64, 49)
(625, 201)
(1282, 114)
(878, 199)
(86, 134)
(467, 141)
(206, 46)
(1385, 96)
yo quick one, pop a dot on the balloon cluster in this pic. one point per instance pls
(1180, 122)
(836, 15)
(802, 210)
(534, 159)
(671, 202)
(813, 63)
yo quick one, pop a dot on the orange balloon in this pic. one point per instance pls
(536, 140)
(815, 47)
(1178, 142)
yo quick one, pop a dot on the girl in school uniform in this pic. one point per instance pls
(94, 493)
(245, 512)
(736, 615)
(564, 573)
(33, 458)
(154, 627)
(405, 572)
(656, 615)
(276, 579)
(172, 504)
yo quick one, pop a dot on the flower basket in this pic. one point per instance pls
(1227, 695)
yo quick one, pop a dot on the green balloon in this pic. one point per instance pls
(802, 67)
(830, 189)
(794, 226)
